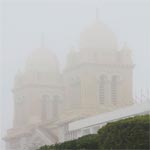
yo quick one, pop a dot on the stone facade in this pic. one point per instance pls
(97, 79)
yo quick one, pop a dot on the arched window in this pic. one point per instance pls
(102, 89)
(55, 106)
(75, 93)
(114, 89)
(45, 101)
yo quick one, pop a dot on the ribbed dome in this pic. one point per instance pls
(98, 36)
(42, 60)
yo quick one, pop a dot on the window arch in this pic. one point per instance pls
(102, 89)
(45, 105)
(55, 106)
(114, 89)
(75, 92)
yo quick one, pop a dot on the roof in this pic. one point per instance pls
(125, 112)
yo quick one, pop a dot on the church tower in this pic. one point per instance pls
(99, 75)
(38, 90)
(38, 96)
(97, 78)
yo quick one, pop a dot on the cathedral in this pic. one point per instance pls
(97, 78)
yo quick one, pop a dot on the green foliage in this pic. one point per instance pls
(130, 133)
(44, 148)
(66, 145)
(87, 142)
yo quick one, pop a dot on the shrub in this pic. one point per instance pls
(88, 142)
(130, 133)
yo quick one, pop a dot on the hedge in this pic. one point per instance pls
(130, 133)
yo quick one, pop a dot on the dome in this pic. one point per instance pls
(42, 60)
(98, 36)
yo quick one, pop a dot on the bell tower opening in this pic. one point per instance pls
(44, 113)
(55, 107)
(102, 89)
(114, 89)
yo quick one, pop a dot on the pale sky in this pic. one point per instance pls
(23, 21)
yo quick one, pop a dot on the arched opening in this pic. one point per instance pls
(102, 89)
(75, 93)
(45, 105)
(55, 107)
(114, 89)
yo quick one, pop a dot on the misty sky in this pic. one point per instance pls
(24, 21)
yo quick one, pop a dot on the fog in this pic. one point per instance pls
(23, 24)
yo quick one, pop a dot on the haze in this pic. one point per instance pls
(24, 22)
